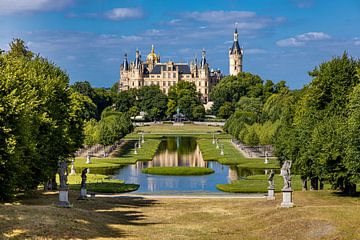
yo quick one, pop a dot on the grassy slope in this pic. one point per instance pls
(126, 156)
(178, 171)
(258, 184)
(231, 155)
(318, 214)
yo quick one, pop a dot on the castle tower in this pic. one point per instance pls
(235, 56)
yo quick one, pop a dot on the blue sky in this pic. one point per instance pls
(282, 39)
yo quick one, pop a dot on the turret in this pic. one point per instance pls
(235, 56)
(203, 59)
(137, 59)
(125, 64)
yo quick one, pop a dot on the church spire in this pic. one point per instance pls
(236, 35)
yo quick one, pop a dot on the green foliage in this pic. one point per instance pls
(321, 136)
(40, 120)
(124, 100)
(153, 101)
(112, 127)
(226, 110)
(185, 96)
(102, 98)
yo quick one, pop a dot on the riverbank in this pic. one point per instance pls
(318, 214)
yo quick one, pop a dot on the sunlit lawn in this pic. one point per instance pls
(316, 215)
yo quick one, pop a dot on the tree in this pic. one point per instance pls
(153, 101)
(231, 89)
(226, 110)
(123, 101)
(38, 119)
(101, 97)
(198, 112)
(186, 97)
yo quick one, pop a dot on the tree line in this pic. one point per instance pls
(317, 127)
(40, 119)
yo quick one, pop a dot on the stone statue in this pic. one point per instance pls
(83, 178)
(63, 173)
(271, 179)
(285, 173)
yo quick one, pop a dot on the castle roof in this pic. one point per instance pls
(183, 68)
(235, 48)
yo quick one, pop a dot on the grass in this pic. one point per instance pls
(186, 129)
(257, 184)
(232, 156)
(101, 184)
(316, 215)
(178, 171)
(125, 156)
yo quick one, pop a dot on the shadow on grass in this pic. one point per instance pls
(36, 216)
(126, 149)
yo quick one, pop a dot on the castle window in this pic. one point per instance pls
(205, 83)
(133, 84)
(164, 83)
(152, 83)
(164, 75)
(158, 76)
(169, 68)
(174, 75)
(205, 91)
(199, 83)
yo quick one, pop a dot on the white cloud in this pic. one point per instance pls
(131, 38)
(356, 41)
(300, 40)
(255, 51)
(219, 16)
(8, 7)
(118, 14)
(303, 3)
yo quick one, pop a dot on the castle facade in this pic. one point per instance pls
(138, 73)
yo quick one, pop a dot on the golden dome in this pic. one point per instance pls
(152, 57)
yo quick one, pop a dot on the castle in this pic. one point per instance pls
(153, 72)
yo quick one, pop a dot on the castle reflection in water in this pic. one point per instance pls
(177, 152)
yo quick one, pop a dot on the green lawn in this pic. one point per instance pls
(186, 128)
(178, 171)
(100, 184)
(257, 184)
(231, 156)
(125, 156)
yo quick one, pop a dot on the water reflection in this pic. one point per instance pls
(181, 151)
(176, 152)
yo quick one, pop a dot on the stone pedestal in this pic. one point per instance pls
(222, 152)
(64, 199)
(287, 198)
(83, 194)
(88, 159)
(271, 193)
(266, 161)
